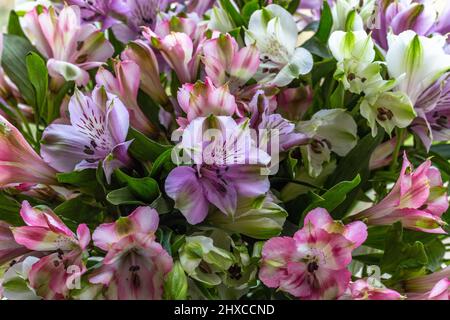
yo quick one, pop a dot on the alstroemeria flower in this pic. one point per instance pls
(357, 71)
(9, 248)
(225, 163)
(135, 264)
(312, 264)
(332, 130)
(15, 284)
(125, 85)
(420, 16)
(179, 51)
(104, 11)
(364, 290)
(44, 231)
(274, 32)
(19, 163)
(98, 131)
(270, 126)
(71, 48)
(434, 286)
(139, 52)
(226, 63)
(418, 200)
(139, 13)
(364, 10)
(203, 99)
(416, 62)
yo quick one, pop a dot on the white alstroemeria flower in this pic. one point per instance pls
(416, 62)
(364, 10)
(220, 20)
(275, 33)
(15, 281)
(354, 52)
(331, 130)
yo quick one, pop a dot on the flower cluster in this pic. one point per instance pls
(156, 149)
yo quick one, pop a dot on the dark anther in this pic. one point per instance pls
(313, 266)
(235, 272)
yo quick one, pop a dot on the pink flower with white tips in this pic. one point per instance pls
(362, 289)
(45, 232)
(71, 47)
(203, 99)
(313, 263)
(135, 265)
(418, 200)
(434, 286)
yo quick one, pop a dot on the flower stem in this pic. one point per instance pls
(399, 134)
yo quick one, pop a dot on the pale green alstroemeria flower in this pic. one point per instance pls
(416, 61)
(15, 284)
(203, 261)
(331, 130)
(364, 14)
(354, 53)
(274, 32)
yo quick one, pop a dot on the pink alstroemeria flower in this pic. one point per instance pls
(9, 248)
(203, 99)
(434, 286)
(98, 132)
(139, 52)
(313, 263)
(223, 167)
(19, 163)
(45, 232)
(418, 200)
(363, 290)
(135, 264)
(226, 63)
(126, 86)
(71, 47)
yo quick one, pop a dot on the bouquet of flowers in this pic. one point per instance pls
(246, 149)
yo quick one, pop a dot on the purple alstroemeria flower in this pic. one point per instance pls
(97, 132)
(223, 167)
(418, 15)
(106, 12)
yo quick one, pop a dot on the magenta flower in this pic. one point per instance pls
(45, 232)
(19, 163)
(418, 200)
(125, 85)
(97, 132)
(71, 47)
(203, 99)
(9, 248)
(434, 286)
(223, 167)
(363, 290)
(135, 265)
(312, 264)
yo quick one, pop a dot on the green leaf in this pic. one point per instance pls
(229, 7)
(399, 257)
(15, 50)
(14, 26)
(164, 161)
(354, 163)
(78, 210)
(337, 98)
(331, 199)
(326, 24)
(293, 6)
(86, 180)
(435, 251)
(38, 75)
(9, 210)
(144, 148)
(144, 189)
(249, 8)
(55, 100)
(122, 196)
